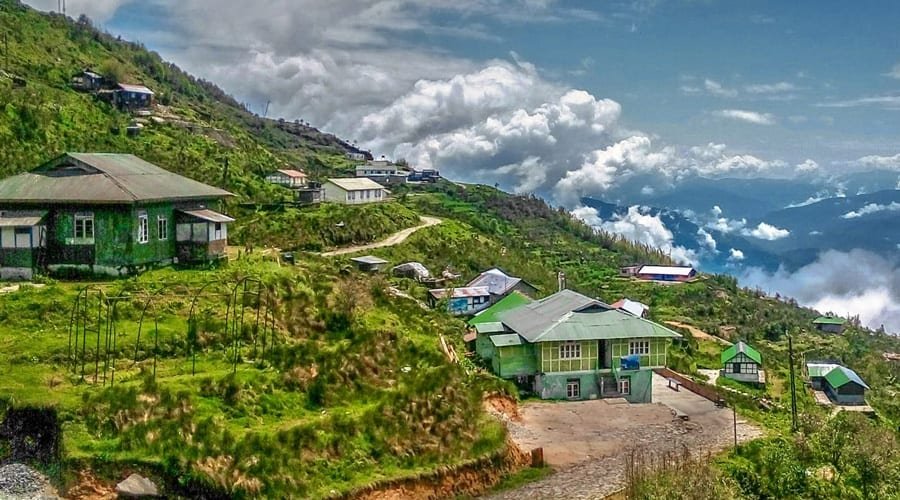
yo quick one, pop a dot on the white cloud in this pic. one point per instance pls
(716, 88)
(894, 72)
(707, 240)
(872, 208)
(807, 166)
(847, 283)
(770, 88)
(638, 227)
(647, 190)
(744, 115)
(875, 161)
(99, 11)
(885, 101)
(735, 254)
(767, 232)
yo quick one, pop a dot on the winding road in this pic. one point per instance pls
(394, 239)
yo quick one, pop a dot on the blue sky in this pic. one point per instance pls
(715, 87)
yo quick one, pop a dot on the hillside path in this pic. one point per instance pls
(698, 333)
(394, 239)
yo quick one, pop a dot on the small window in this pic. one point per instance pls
(573, 389)
(143, 228)
(162, 227)
(624, 385)
(570, 350)
(84, 226)
(641, 347)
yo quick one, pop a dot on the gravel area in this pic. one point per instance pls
(20, 482)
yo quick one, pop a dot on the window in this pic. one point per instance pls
(143, 228)
(84, 226)
(639, 347)
(570, 350)
(23, 237)
(624, 385)
(573, 389)
(749, 368)
(162, 227)
(218, 231)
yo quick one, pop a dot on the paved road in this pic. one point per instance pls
(394, 239)
(604, 434)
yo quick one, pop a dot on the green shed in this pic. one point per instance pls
(741, 362)
(110, 214)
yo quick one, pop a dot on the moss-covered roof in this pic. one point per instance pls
(741, 348)
(508, 303)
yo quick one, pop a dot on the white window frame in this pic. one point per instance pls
(85, 221)
(639, 347)
(143, 235)
(162, 227)
(573, 389)
(570, 350)
(625, 385)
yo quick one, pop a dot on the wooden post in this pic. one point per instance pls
(537, 457)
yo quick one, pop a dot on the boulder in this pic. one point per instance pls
(136, 486)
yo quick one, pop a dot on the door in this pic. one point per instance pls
(601, 354)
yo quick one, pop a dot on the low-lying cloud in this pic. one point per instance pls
(767, 232)
(847, 283)
(872, 208)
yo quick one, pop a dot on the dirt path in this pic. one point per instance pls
(697, 333)
(394, 239)
(587, 443)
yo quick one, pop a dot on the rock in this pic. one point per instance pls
(136, 486)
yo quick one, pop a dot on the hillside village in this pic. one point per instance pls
(201, 302)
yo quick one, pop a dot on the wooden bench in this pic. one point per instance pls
(674, 384)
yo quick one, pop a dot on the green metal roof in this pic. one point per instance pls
(841, 375)
(739, 348)
(533, 319)
(829, 320)
(508, 303)
(506, 340)
(603, 325)
(102, 178)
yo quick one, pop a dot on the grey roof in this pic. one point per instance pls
(456, 293)
(492, 327)
(531, 320)
(140, 89)
(102, 178)
(208, 215)
(21, 219)
(369, 259)
(506, 340)
(495, 279)
(356, 184)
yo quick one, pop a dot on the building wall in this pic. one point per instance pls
(484, 347)
(553, 385)
(848, 394)
(549, 360)
(618, 348)
(156, 249)
(742, 368)
(333, 193)
(830, 328)
(512, 361)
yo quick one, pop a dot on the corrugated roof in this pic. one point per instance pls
(498, 281)
(21, 219)
(295, 174)
(829, 320)
(531, 320)
(456, 293)
(738, 348)
(508, 303)
(594, 324)
(208, 215)
(369, 259)
(135, 88)
(819, 369)
(673, 270)
(506, 340)
(95, 178)
(356, 183)
(841, 375)
(493, 327)
(631, 306)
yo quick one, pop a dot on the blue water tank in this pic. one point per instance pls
(632, 362)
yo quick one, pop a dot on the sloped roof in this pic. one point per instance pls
(21, 219)
(596, 324)
(631, 306)
(369, 259)
(140, 89)
(456, 293)
(532, 319)
(673, 270)
(294, 174)
(102, 178)
(841, 375)
(498, 281)
(355, 183)
(208, 215)
(508, 303)
(819, 369)
(829, 320)
(741, 348)
(506, 340)
(493, 327)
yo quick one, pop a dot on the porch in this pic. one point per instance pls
(200, 235)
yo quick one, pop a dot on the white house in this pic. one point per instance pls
(353, 191)
(288, 178)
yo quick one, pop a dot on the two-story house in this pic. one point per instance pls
(569, 346)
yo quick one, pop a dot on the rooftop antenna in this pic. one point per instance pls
(266, 112)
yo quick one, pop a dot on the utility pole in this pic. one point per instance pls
(734, 416)
(266, 112)
(793, 385)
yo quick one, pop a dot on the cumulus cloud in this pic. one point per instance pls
(735, 254)
(872, 208)
(707, 240)
(640, 227)
(724, 224)
(747, 116)
(767, 232)
(807, 166)
(880, 162)
(847, 283)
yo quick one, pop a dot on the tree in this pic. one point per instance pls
(112, 70)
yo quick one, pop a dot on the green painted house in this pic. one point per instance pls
(829, 324)
(840, 383)
(742, 362)
(569, 346)
(109, 214)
